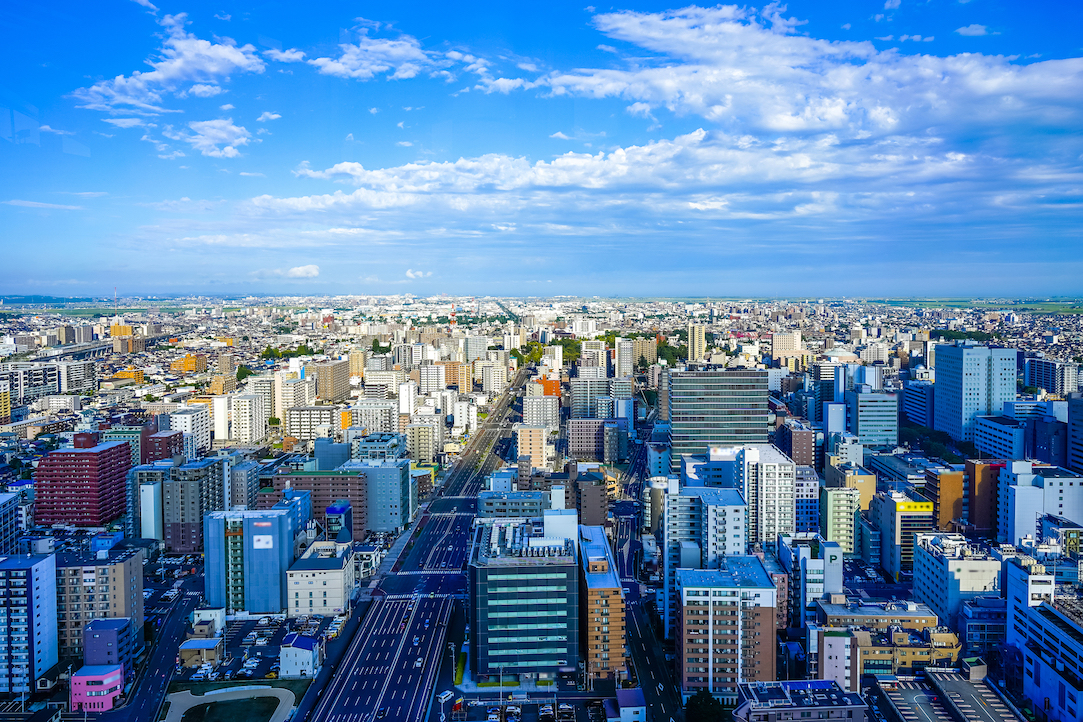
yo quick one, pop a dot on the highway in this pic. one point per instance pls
(380, 676)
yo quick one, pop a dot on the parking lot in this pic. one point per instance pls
(520, 711)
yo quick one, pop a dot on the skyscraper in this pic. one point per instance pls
(84, 486)
(697, 342)
(716, 408)
(971, 381)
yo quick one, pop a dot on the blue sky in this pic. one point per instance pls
(846, 148)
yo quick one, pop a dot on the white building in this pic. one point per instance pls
(815, 569)
(378, 416)
(408, 397)
(249, 418)
(542, 411)
(999, 437)
(494, 379)
(194, 421)
(971, 381)
(948, 572)
(305, 423)
(1027, 584)
(322, 580)
(1028, 491)
(433, 378)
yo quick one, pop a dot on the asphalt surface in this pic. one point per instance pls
(917, 702)
(975, 702)
(391, 667)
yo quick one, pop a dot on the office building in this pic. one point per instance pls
(919, 402)
(873, 416)
(9, 522)
(585, 395)
(1028, 491)
(322, 580)
(948, 571)
(899, 518)
(1053, 664)
(506, 557)
(390, 490)
(602, 625)
(701, 526)
(815, 568)
(101, 585)
(512, 504)
(1027, 584)
(1075, 432)
(852, 476)
(971, 381)
(850, 655)
(378, 416)
(327, 488)
(377, 446)
(1059, 378)
(247, 556)
(96, 688)
(1000, 437)
(716, 408)
(797, 441)
(697, 343)
(84, 486)
(332, 379)
(28, 638)
(725, 628)
(983, 482)
(837, 611)
(983, 623)
(812, 699)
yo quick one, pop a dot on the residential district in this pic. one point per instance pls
(353, 509)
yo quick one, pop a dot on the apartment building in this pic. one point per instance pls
(602, 627)
(101, 585)
(28, 638)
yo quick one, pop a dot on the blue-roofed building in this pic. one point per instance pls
(301, 656)
(813, 699)
(725, 627)
(339, 521)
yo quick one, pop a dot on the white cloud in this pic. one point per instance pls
(147, 4)
(90, 194)
(560, 136)
(267, 115)
(404, 143)
(125, 122)
(411, 273)
(374, 111)
(215, 138)
(184, 59)
(846, 26)
(973, 30)
(892, 4)
(47, 129)
(223, 16)
(399, 58)
(528, 67)
(203, 90)
(252, 175)
(607, 48)
(36, 204)
(293, 55)
(227, 107)
(172, 156)
(309, 271)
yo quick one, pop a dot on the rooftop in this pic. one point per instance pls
(593, 545)
(746, 572)
(800, 694)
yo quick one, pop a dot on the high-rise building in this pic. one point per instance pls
(1028, 491)
(797, 441)
(305, 423)
(190, 492)
(247, 556)
(84, 486)
(422, 442)
(645, 349)
(983, 493)
(332, 379)
(806, 495)
(725, 627)
(194, 422)
(971, 381)
(701, 526)
(602, 625)
(949, 571)
(815, 569)
(899, 518)
(697, 342)
(391, 492)
(378, 416)
(433, 378)
(585, 395)
(541, 411)
(104, 584)
(716, 408)
(531, 441)
(508, 556)
(1075, 432)
(164, 445)
(947, 488)
(839, 509)
(28, 638)
(474, 347)
(249, 419)
(1059, 378)
(919, 402)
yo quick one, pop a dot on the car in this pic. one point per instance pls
(444, 696)
(197, 677)
(418, 663)
(417, 640)
(381, 713)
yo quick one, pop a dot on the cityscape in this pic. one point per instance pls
(355, 508)
(509, 362)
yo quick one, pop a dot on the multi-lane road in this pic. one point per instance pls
(391, 666)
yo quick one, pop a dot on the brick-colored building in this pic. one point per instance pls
(164, 445)
(946, 489)
(602, 629)
(189, 364)
(725, 627)
(84, 486)
(327, 487)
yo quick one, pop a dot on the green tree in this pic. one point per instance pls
(703, 707)
(274, 421)
(243, 372)
(376, 348)
(271, 353)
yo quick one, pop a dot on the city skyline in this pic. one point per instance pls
(865, 149)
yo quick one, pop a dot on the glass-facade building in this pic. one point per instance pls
(524, 601)
(716, 407)
(247, 556)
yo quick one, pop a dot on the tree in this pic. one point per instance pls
(376, 346)
(703, 707)
(274, 421)
(243, 372)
